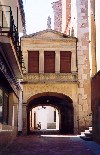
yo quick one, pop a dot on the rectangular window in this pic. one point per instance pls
(33, 61)
(65, 61)
(49, 62)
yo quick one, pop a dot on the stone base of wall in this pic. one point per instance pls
(85, 123)
(51, 125)
(7, 135)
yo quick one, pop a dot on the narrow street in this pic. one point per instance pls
(38, 145)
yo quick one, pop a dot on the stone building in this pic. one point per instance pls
(51, 77)
(84, 19)
(77, 23)
(12, 21)
(95, 90)
(95, 81)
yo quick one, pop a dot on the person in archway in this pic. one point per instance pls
(39, 125)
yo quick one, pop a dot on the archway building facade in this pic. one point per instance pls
(52, 75)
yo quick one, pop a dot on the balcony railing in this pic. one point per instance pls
(8, 28)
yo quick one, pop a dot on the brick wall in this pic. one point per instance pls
(83, 62)
(62, 15)
(57, 8)
(68, 16)
(78, 10)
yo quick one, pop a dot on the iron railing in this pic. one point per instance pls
(8, 27)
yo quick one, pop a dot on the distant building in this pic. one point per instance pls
(74, 18)
(83, 17)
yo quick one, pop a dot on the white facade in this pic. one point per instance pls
(45, 115)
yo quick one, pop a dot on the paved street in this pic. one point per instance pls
(37, 145)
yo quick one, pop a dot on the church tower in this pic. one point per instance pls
(76, 18)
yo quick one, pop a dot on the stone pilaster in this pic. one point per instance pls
(24, 128)
(20, 113)
(41, 61)
(83, 63)
(93, 38)
(73, 63)
(25, 57)
(57, 61)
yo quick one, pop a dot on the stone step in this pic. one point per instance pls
(44, 132)
(86, 138)
(91, 131)
(87, 131)
(88, 134)
(90, 128)
(82, 134)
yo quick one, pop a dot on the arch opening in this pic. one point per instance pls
(44, 118)
(54, 112)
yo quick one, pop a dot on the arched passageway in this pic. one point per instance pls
(62, 103)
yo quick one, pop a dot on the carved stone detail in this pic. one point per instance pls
(50, 77)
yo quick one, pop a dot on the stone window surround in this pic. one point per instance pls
(57, 61)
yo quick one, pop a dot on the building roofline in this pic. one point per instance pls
(21, 7)
(48, 30)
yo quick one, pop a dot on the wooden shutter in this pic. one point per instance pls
(65, 61)
(33, 61)
(49, 62)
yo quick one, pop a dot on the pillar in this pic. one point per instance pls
(24, 117)
(20, 113)
(93, 37)
(57, 61)
(41, 61)
(73, 62)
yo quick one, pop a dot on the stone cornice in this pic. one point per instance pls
(49, 39)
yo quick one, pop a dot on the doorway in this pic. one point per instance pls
(50, 111)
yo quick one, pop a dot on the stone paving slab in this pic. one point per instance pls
(37, 145)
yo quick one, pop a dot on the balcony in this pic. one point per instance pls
(49, 77)
(9, 40)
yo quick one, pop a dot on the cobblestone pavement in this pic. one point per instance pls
(37, 145)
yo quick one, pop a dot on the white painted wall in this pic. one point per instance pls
(45, 116)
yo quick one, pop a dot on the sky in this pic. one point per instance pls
(36, 14)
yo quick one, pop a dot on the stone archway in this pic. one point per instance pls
(62, 102)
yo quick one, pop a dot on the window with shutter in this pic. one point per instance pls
(49, 62)
(65, 61)
(33, 61)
